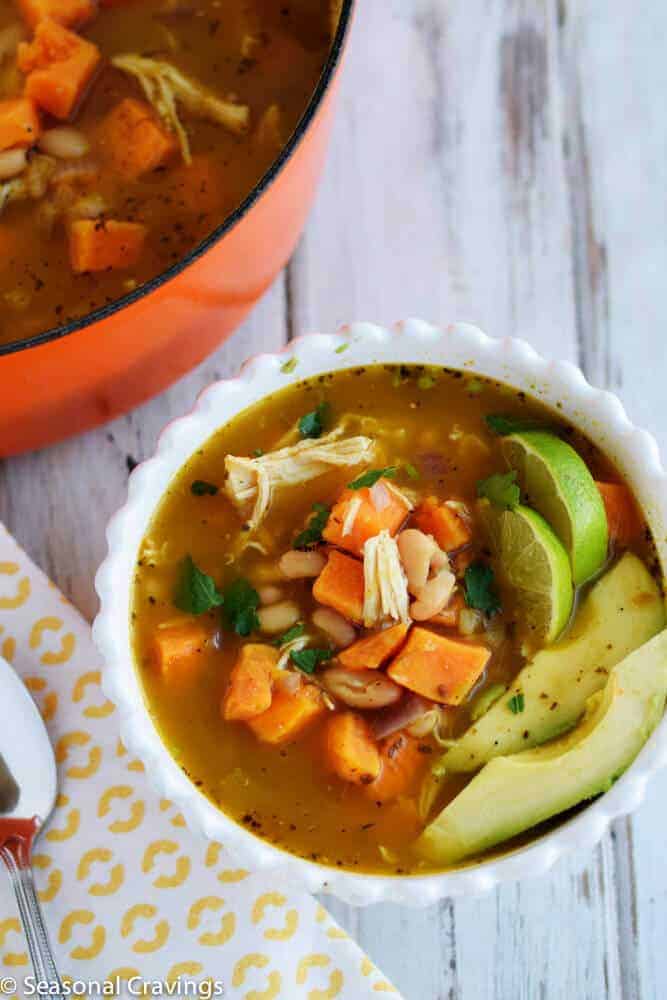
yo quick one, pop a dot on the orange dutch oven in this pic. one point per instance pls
(73, 377)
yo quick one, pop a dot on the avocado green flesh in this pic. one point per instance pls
(622, 610)
(513, 794)
(558, 483)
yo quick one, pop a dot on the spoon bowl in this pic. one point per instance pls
(28, 783)
(28, 787)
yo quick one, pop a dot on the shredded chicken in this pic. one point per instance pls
(351, 512)
(251, 481)
(385, 583)
(166, 87)
(31, 184)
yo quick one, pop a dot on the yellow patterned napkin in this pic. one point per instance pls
(128, 891)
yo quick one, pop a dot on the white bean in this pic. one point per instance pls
(12, 163)
(298, 565)
(278, 617)
(336, 627)
(270, 594)
(416, 550)
(361, 688)
(64, 142)
(434, 596)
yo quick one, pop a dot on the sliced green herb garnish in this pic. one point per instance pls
(240, 601)
(411, 470)
(342, 347)
(295, 632)
(307, 660)
(426, 382)
(201, 488)
(289, 365)
(371, 477)
(312, 424)
(501, 489)
(480, 590)
(313, 533)
(196, 591)
(503, 424)
(516, 704)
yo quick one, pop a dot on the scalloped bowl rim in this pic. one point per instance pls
(460, 346)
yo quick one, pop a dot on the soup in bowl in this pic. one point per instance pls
(157, 164)
(398, 617)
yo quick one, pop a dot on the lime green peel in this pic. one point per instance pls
(556, 481)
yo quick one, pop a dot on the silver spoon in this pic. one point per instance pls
(28, 786)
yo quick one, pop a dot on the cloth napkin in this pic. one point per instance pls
(129, 893)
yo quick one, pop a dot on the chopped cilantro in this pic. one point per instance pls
(342, 347)
(201, 488)
(239, 607)
(411, 470)
(480, 591)
(289, 365)
(516, 704)
(503, 424)
(501, 489)
(312, 424)
(292, 633)
(426, 381)
(371, 477)
(307, 660)
(196, 591)
(313, 533)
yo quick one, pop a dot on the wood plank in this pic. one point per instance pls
(619, 138)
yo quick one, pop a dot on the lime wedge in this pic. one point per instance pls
(555, 480)
(533, 563)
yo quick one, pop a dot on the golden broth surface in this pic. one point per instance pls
(430, 421)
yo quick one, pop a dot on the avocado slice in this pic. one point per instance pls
(513, 794)
(622, 610)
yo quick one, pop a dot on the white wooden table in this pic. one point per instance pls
(503, 162)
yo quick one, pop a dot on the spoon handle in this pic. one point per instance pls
(20, 873)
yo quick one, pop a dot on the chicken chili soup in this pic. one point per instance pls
(368, 609)
(129, 130)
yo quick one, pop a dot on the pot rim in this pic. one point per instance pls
(263, 184)
(463, 347)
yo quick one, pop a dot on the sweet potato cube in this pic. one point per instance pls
(401, 762)
(103, 245)
(445, 524)
(289, 714)
(351, 750)
(340, 586)
(59, 66)
(361, 514)
(177, 650)
(68, 13)
(373, 651)
(623, 520)
(133, 139)
(249, 689)
(19, 123)
(438, 668)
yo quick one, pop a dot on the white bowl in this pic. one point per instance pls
(558, 384)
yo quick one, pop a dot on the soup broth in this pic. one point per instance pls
(430, 438)
(101, 197)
